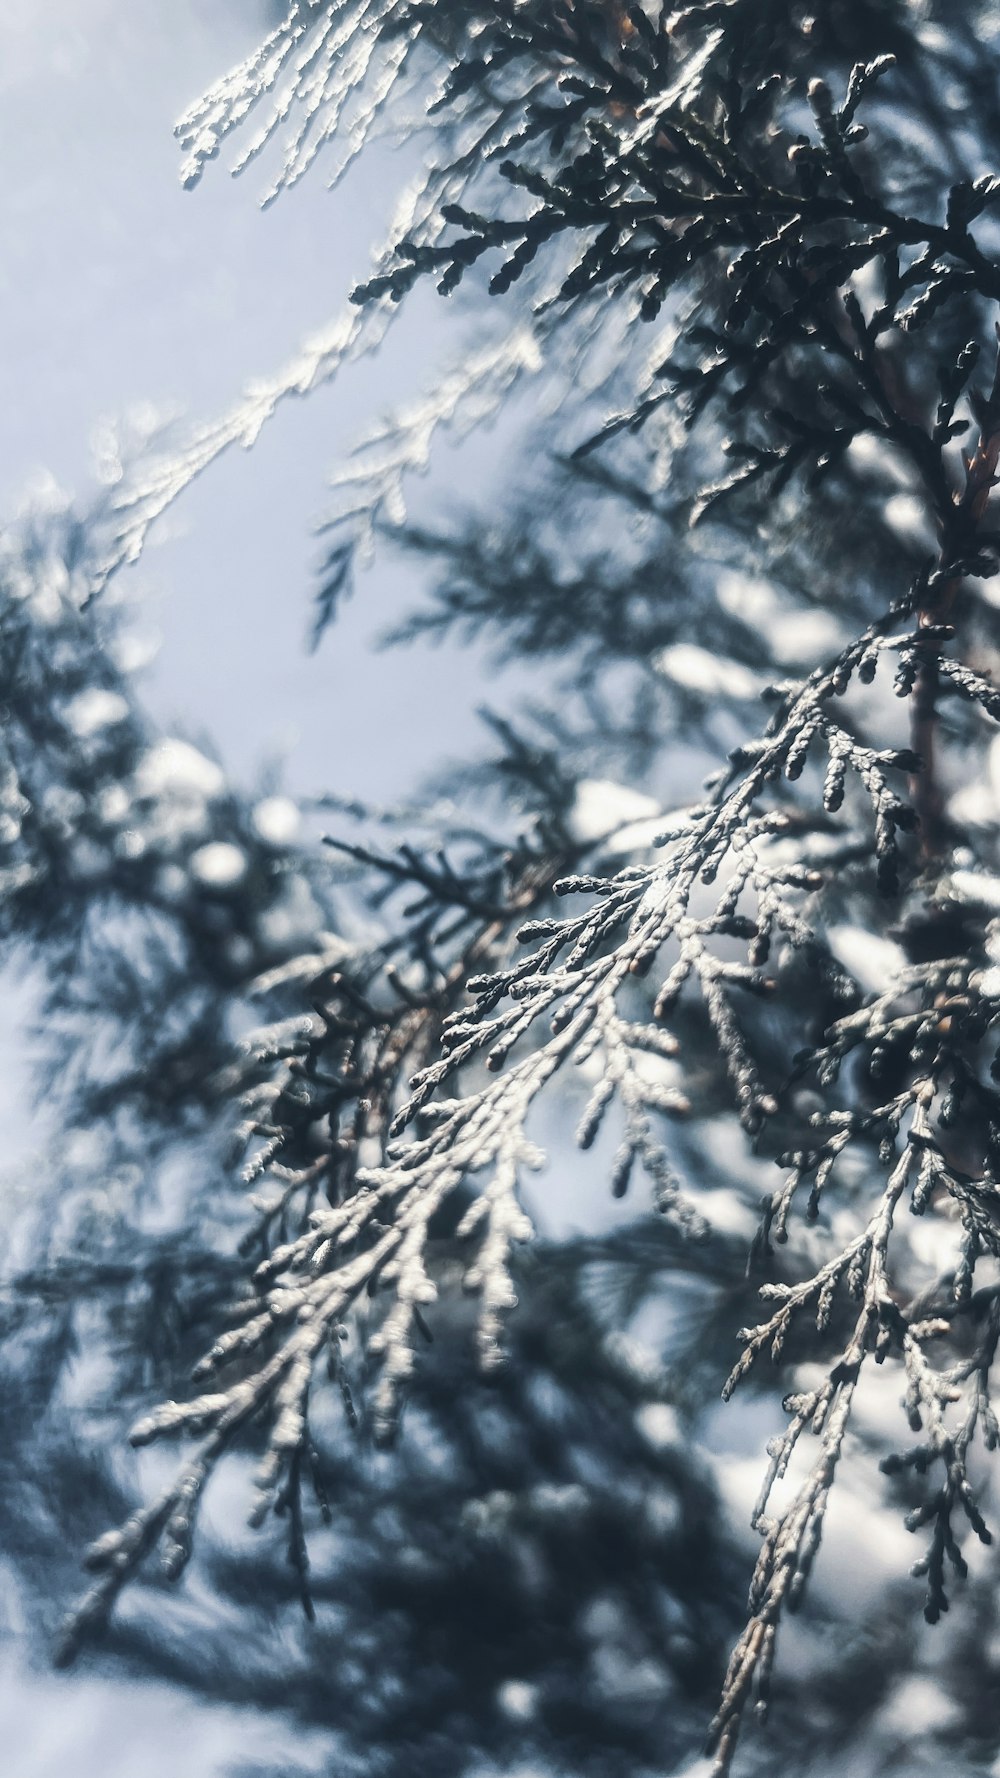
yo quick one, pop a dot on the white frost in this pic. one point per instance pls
(659, 1424)
(917, 1707)
(805, 635)
(874, 962)
(754, 602)
(975, 886)
(177, 767)
(994, 768)
(907, 516)
(711, 674)
(113, 804)
(517, 1699)
(975, 805)
(276, 820)
(134, 651)
(94, 709)
(219, 865)
(602, 807)
(793, 634)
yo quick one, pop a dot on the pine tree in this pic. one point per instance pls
(748, 254)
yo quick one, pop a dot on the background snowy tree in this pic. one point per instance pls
(743, 369)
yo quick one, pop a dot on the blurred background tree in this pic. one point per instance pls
(540, 1565)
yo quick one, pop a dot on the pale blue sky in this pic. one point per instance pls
(118, 290)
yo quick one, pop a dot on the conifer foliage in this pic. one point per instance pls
(752, 252)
